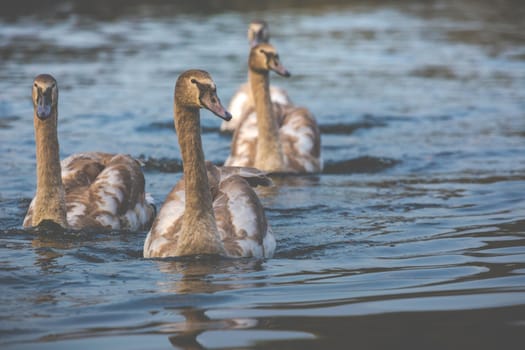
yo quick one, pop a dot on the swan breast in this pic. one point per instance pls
(239, 215)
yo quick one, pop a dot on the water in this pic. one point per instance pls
(414, 236)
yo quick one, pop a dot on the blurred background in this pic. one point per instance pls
(412, 236)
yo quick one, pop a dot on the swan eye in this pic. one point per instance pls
(35, 85)
(193, 81)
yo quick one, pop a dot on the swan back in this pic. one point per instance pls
(106, 190)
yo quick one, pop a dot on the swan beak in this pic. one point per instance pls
(278, 68)
(43, 108)
(212, 103)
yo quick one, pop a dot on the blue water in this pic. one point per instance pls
(412, 237)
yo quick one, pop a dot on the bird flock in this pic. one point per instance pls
(212, 209)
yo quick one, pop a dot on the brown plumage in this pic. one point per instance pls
(87, 190)
(211, 210)
(274, 137)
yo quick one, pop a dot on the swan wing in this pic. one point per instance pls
(29, 215)
(241, 103)
(162, 239)
(300, 139)
(240, 218)
(107, 191)
(244, 142)
(279, 95)
(298, 133)
(253, 176)
(82, 169)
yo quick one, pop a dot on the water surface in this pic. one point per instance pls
(413, 236)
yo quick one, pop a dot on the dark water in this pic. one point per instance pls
(413, 237)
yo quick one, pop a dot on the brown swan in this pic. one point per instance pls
(211, 210)
(273, 137)
(87, 190)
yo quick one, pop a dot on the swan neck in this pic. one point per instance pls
(199, 230)
(50, 201)
(269, 151)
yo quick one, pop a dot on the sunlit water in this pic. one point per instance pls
(414, 236)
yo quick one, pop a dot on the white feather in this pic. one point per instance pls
(303, 135)
(269, 243)
(278, 95)
(170, 212)
(76, 211)
(153, 246)
(251, 248)
(243, 217)
(108, 220)
(237, 104)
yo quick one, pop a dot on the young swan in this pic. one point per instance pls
(211, 210)
(242, 101)
(88, 190)
(274, 138)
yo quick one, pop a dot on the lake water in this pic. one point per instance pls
(412, 237)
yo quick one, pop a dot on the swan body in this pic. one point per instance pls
(242, 100)
(86, 190)
(211, 210)
(274, 137)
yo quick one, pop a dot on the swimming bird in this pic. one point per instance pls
(211, 210)
(242, 101)
(274, 138)
(87, 190)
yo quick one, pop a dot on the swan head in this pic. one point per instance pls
(196, 89)
(258, 32)
(264, 58)
(45, 96)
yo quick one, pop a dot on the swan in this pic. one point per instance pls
(242, 101)
(211, 210)
(87, 190)
(274, 138)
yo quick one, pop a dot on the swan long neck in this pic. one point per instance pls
(269, 151)
(199, 233)
(50, 203)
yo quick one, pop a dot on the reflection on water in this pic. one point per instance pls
(195, 275)
(413, 234)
